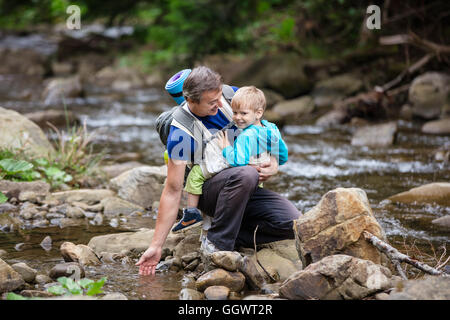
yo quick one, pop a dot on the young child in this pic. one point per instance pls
(258, 140)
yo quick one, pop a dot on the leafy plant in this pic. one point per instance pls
(80, 287)
(3, 198)
(68, 287)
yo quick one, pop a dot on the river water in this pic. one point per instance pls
(320, 159)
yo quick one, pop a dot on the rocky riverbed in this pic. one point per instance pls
(399, 162)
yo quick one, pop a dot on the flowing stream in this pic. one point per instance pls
(320, 159)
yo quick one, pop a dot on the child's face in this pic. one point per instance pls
(244, 117)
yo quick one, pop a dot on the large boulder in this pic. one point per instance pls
(79, 253)
(335, 226)
(18, 132)
(15, 189)
(281, 267)
(337, 277)
(130, 241)
(438, 192)
(235, 281)
(428, 94)
(379, 135)
(441, 126)
(427, 288)
(141, 185)
(282, 73)
(10, 280)
(114, 206)
(295, 108)
(88, 196)
(328, 91)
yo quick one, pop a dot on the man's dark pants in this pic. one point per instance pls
(238, 205)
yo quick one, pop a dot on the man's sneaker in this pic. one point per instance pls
(191, 218)
(207, 248)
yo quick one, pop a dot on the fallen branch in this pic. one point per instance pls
(256, 256)
(396, 255)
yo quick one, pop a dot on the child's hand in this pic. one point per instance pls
(223, 139)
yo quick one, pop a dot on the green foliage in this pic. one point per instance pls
(68, 287)
(83, 286)
(3, 198)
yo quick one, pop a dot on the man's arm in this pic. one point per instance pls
(167, 214)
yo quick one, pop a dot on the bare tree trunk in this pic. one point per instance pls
(397, 257)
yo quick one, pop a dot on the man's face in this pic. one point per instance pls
(209, 103)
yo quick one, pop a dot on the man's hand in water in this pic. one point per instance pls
(266, 170)
(148, 261)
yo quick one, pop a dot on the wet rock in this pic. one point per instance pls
(114, 206)
(438, 192)
(428, 94)
(189, 244)
(54, 215)
(98, 219)
(89, 196)
(129, 241)
(190, 294)
(79, 253)
(337, 277)
(75, 212)
(15, 189)
(190, 257)
(217, 293)
(382, 296)
(191, 266)
(69, 222)
(333, 117)
(235, 281)
(40, 223)
(3, 253)
(379, 135)
(46, 243)
(294, 109)
(28, 210)
(115, 170)
(228, 260)
(114, 296)
(262, 297)
(36, 294)
(141, 185)
(335, 225)
(8, 223)
(427, 288)
(66, 270)
(437, 127)
(284, 248)
(252, 275)
(10, 280)
(42, 279)
(27, 273)
(269, 259)
(62, 88)
(442, 221)
(54, 116)
(328, 91)
(7, 207)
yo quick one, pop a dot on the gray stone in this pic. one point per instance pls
(428, 94)
(217, 293)
(89, 196)
(190, 294)
(380, 135)
(427, 288)
(295, 108)
(442, 221)
(235, 281)
(337, 277)
(438, 192)
(10, 280)
(66, 270)
(42, 279)
(228, 260)
(17, 131)
(441, 126)
(79, 253)
(327, 92)
(114, 206)
(141, 185)
(28, 274)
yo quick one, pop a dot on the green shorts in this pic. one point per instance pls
(195, 180)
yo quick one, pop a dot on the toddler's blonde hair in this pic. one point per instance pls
(249, 97)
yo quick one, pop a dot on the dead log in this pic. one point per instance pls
(397, 257)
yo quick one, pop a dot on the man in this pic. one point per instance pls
(231, 197)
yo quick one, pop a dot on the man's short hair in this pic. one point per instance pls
(201, 79)
(249, 97)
